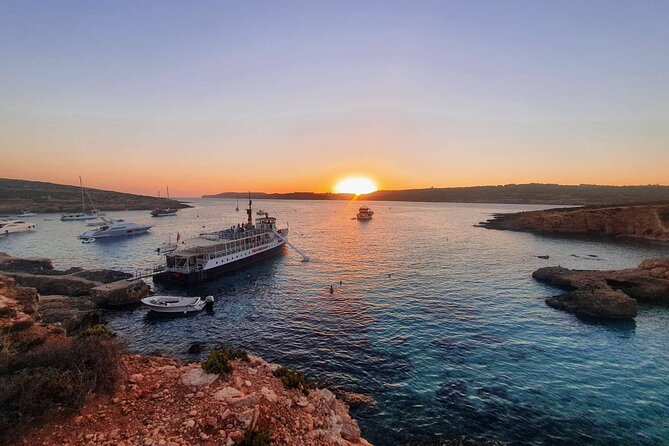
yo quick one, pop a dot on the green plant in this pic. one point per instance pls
(100, 330)
(292, 379)
(219, 359)
(256, 438)
(217, 362)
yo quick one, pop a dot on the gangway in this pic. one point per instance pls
(305, 258)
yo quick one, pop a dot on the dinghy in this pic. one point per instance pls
(175, 304)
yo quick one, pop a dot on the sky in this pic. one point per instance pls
(279, 96)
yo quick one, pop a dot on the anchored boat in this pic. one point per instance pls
(115, 228)
(364, 213)
(212, 254)
(84, 214)
(176, 304)
(13, 226)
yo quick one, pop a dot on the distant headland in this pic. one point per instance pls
(533, 193)
(37, 196)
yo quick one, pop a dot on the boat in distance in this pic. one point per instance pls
(364, 213)
(14, 226)
(25, 214)
(176, 304)
(115, 228)
(212, 254)
(84, 214)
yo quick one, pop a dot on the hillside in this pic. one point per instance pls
(36, 196)
(511, 193)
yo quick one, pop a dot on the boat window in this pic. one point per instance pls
(104, 228)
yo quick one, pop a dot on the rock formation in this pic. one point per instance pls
(162, 401)
(608, 294)
(643, 221)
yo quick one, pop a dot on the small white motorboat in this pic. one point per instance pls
(176, 304)
(88, 240)
(25, 214)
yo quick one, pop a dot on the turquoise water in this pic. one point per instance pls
(457, 341)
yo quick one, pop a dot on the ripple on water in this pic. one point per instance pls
(438, 320)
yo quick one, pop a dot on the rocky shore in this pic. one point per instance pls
(642, 221)
(47, 389)
(608, 295)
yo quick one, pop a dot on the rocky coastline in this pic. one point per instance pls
(649, 222)
(607, 295)
(150, 400)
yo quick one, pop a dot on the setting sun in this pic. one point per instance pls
(357, 185)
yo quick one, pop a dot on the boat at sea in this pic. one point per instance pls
(115, 228)
(14, 226)
(212, 254)
(176, 304)
(25, 214)
(164, 212)
(261, 212)
(364, 213)
(91, 214)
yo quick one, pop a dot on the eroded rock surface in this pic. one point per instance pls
(608, 294)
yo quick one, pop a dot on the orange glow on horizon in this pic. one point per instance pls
(355, 185)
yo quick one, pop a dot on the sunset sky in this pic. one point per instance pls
(212, 96)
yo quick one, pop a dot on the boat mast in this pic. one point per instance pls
(168, 192)
(83, 201)
(248, 211)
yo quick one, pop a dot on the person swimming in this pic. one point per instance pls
(331, 289)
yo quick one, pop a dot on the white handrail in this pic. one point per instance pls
(305, 258)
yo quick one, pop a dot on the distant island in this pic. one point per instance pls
(37, 196)
(534, 193)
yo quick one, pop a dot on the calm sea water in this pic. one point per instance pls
(440, 321)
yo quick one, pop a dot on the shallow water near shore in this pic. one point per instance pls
(440, 321)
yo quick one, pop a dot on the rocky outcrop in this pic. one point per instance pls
(181, 404)
(595, 304)
(642, 221)
(608, 294)
(20, 327)
(119, 294)
(67, 285)
(24, 264)
(71, 313)
(102, 275)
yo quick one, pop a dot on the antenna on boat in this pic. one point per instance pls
(83, 201)
(248, 211)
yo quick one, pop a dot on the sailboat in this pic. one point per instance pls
(84, 214)
(237, 208)
(164, 212)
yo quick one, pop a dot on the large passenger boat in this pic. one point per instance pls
(211, 254)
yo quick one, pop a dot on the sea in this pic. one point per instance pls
(438, 320)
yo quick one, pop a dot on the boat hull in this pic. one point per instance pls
(174, 278)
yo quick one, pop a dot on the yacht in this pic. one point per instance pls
(176, 304)
(12, 226)
(25, 214)
(84, 214)
(212, 254)
(115, 228)
(364, 213)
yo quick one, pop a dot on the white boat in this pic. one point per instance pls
(167, 248)
(364, 213)
(13, 226)
(175, 304)
(115, 228)
(25, 214)
(260, 212)
(84, 214)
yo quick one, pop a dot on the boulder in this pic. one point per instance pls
(600, 304)
(24, 264)
(71, 313)
(120, 293)
(198, 377)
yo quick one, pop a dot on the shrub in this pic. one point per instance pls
(292, 379)
(256, 438)
(99, 330)
(57, 375)
(219, 359)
